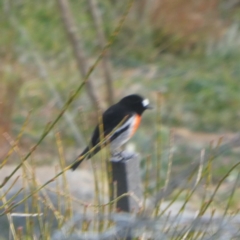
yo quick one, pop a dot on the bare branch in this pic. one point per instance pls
(96, 15)
(76, 44)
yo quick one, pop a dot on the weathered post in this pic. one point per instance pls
(126, 174)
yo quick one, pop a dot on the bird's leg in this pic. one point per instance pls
(127, 154)
(117, 155)
(121, 155)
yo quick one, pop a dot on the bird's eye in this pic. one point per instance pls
(145, 102)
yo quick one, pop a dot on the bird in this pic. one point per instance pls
(119, 122)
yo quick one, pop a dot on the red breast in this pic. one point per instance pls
(136, 123)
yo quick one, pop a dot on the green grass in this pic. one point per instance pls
(202, 93)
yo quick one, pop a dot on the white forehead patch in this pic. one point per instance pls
(145, 102)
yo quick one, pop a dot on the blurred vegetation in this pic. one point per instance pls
(187, 50)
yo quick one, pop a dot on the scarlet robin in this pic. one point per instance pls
(119, 123)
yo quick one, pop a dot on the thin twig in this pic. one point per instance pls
(72, 98)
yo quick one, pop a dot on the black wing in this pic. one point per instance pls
(111, 119)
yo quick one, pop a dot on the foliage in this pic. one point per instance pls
(200, 91)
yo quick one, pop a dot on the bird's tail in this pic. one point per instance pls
(80, 158)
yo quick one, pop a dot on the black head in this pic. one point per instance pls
(135, 103)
